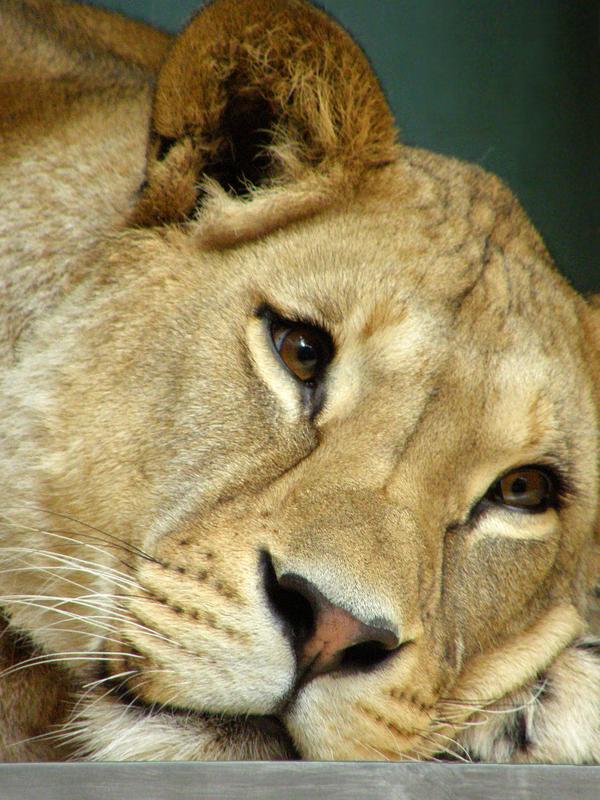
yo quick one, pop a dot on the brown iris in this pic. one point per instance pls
(304, 349)
(526, 489)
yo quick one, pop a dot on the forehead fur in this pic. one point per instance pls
(426, 228)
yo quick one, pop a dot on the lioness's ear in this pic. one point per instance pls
(260, 93)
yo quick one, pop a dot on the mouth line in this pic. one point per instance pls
(269, 725)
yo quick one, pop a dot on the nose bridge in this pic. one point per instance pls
(361, 451)
(357, 547)
(331, 496)
(349, 514)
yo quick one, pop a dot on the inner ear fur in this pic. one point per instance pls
(258, 93)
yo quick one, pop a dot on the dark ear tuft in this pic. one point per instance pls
(246, 130)
(165, 143)
(256, 93)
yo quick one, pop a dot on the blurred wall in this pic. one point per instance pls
(513, 85)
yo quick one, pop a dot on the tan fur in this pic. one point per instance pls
(152, 445)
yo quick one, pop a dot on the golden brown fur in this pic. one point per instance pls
(155, 454)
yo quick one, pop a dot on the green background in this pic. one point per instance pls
(513, 85)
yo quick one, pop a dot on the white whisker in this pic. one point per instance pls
(110, 615)
(120, 542)
(95, 684)
(70, 560)
(55, 573)
(64, 658)
(466, 758)
(370, 747)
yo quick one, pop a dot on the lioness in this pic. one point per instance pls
(299, 426)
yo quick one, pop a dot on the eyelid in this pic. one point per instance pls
(269, 312)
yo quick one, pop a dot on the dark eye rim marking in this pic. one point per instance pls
(312, 389)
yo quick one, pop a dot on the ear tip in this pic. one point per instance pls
(278, 45)
(264, 89)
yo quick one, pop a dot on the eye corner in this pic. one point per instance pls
(263, 311)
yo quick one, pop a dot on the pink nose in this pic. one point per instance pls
(328, 638)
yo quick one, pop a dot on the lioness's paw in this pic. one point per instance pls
(555, 720)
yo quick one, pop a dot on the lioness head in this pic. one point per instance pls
(306, 461)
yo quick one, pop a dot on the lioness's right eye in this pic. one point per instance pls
(304, 349)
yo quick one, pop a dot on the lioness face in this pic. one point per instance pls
(248, 501)
(341, 478)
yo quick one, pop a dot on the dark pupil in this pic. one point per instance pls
(306, 352)
(519, 486)
(529, 489)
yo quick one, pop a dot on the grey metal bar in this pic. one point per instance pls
(297, 781)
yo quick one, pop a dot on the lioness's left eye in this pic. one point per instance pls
(304, 349)
(526, 489)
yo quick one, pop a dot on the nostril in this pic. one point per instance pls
(361, 657)
(292, 608)
(325, 637)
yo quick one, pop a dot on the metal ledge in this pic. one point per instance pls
(296, 781)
